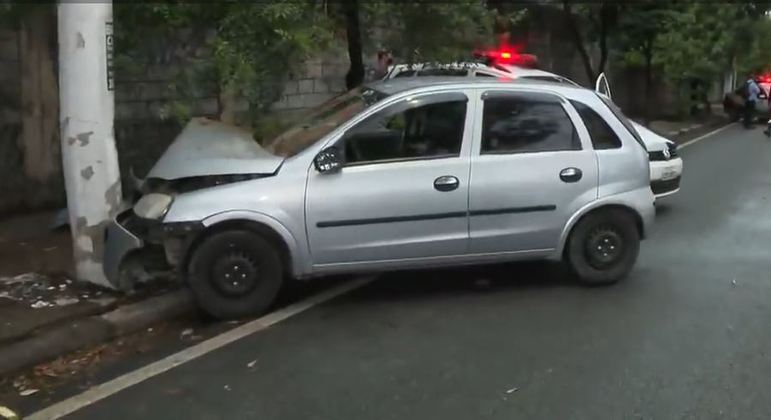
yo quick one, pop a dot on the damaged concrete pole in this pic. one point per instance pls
(87, 108)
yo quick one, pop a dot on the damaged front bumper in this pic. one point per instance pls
(119, 242)
(131, 237)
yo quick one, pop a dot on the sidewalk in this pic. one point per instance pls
(45, 313)
(681, 131)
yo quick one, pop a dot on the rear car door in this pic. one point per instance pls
(403, 191)
(530, 171)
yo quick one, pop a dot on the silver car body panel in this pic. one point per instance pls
(119, 242)
(206, 147)
(299, 198)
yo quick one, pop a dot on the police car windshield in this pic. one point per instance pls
(322, 120)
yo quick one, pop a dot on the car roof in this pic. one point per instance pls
(398, 85)
(502, 70)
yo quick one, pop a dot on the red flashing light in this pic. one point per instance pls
(507, 57)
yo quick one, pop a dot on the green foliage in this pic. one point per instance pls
(698, 40)
(756, 54)
(251, 46)
(433, 31)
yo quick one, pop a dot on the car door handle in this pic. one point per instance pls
(570, 175)
(446, 183)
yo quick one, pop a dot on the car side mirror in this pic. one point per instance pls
(328, 160)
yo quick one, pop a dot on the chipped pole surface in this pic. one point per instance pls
(90, 158)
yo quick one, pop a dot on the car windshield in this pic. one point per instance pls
(322, 121)
(624, 120)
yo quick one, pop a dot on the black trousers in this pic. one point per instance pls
(749, 113)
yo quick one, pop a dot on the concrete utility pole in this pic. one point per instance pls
(90, 159)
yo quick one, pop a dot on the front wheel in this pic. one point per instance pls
(235, 273)
(603, 247)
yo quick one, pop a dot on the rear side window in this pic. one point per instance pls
(519, 124)
(603, 137)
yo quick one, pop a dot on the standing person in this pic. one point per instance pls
(752, 92)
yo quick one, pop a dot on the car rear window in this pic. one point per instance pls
(603, 137)
(623, 119)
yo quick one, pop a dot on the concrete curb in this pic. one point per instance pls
(685, 130)
(60, 339)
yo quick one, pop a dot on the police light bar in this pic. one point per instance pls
(506, 56)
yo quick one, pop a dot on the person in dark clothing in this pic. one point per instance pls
(752, 95)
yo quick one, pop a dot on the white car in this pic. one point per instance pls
(666, 167)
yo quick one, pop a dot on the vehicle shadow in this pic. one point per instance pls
(663, 209)
(431, 284)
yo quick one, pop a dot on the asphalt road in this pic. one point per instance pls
(686, 336)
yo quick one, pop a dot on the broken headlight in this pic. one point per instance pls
(153, 206)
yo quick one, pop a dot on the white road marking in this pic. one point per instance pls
(120, 383)
(700, 138)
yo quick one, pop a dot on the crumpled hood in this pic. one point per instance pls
(653, 141)
(207, 147)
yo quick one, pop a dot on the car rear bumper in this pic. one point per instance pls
(665, 176)
(664, 188)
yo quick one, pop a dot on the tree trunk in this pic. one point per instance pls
(603, 42)
(226, 104)
(355, 75)
(579, 41)
(39, 94)
(648, 51)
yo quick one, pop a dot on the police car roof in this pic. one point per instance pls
(398, 85)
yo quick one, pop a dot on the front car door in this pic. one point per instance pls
(402, 194)
(531, 170)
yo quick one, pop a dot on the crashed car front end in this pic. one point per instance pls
(205, 155)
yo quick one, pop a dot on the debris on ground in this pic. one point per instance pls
(28, 392)
(186, 333)
(512, 390)
(40, 291)
(251, 364)
(8, 414)
(227, 387)
(733, 283)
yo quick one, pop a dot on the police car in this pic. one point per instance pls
(666, 166)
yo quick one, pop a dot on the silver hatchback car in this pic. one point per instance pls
(409, 173)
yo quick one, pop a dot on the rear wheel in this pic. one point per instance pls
(603, 247)
(235, 273)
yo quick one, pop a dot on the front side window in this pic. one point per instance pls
(520, 124)
(603, 137)
(426, 127)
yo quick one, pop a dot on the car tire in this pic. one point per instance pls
(235, 273)
(603, 247)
